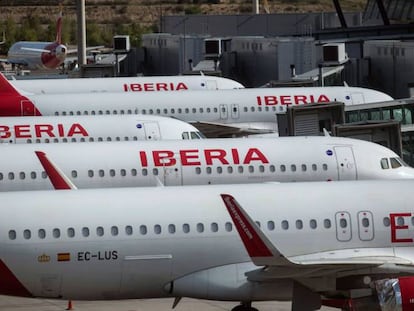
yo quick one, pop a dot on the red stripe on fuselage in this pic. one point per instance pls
(9, 284)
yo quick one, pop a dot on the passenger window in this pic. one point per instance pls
(314, 167)
(200, 228)
(304, 168)
(272, 168)
(228, 226)
(12, 235)
(74, 174)
(71, 232)
(386, 221)
(261, 168)
(283, 168)
(299, 224)
(186, 228)
(27, 234)
(114, 230)
(219, 169)
(90, 173)
(99, 231)
(33, 175)
(365, 222)
(128, 230)
(271, 225)
(155, 171)
(285, 225)
(56, 233)
(400, 221)
(85, 232)
(313, 224)
(11, 176)
(143, 230)
(208, 170)
(112, 172)
(230, 169)
(240, 169)
(384, 164)
(327, 223)
(325, 167)
(187, 110)
(144, 172)
(22, 175)
(44, 175)
(101, 173)
(157, 229)
(133, 172)
(343, 223)
(214, 227)
(293, 168)
(251, 169)
(171, 229)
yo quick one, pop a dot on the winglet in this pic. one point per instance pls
(59, 180)
(260, 249)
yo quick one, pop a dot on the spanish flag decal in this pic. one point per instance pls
(63, 257)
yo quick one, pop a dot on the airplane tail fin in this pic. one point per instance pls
(59, 180)
(59, 29)
(6, 88)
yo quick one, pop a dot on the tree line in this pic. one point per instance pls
(32, 28)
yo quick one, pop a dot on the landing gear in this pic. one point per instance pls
(244, 306)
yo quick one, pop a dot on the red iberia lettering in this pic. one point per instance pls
(191, 157)
(42, 131)
(163, 158)
(151, 87)
(285, 100)
(188, 157)
(395, 227)
(4, 131)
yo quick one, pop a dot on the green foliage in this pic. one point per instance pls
(193, 9)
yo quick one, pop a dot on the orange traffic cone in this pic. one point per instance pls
(70, 307)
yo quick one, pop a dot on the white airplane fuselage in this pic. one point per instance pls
(125, 84)
(200, 162)
(251, 110)
(50, 129)
(180, 241)
(34, 55)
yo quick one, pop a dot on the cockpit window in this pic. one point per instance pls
(185, 135)
(196, 135)
(395, 163)
(384, 164)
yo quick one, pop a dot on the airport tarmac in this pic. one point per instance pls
(28, 304)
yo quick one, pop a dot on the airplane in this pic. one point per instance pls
(70, 129)
(219, 113)
(41, 55)
(200, 162)
(125, 84)
(241, 243)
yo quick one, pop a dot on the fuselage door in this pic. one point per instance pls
(223, 112)
(357, 98)
(365, 226)
(346, 163)
(50, 285)
(172, 174)
(343, 226)
(152, 131)
(211, 85)
(235, 112)
(28, 108)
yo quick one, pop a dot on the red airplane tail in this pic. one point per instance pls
(13, 103)
(59, 29)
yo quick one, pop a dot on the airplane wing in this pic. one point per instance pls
(16, 62)
(36, 50)
(214, 130)
(264, 253)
